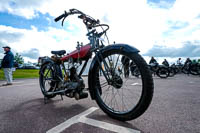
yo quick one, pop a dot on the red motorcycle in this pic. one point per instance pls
(122, 98)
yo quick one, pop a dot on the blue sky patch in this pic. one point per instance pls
(41, 21)
(173, 26)
(166, 4)
(178, 25)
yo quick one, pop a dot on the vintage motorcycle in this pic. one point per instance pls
(122, 98)
(159, 70)
(191, 68)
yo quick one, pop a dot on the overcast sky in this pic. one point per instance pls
(161, 28)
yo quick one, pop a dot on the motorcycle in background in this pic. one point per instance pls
(159, 70)
(191, 68)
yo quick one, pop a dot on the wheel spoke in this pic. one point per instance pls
(106, 94)
(104, 84)
(47, 73)
(120, 95)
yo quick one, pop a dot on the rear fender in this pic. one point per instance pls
(58, 72)
(46, 61)
(124, 48)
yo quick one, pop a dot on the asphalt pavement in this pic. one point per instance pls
(175, 109)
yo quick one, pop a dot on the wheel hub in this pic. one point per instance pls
(117, 82)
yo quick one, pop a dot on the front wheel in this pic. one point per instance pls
(185, 69)
(163, 72)
(195, 69)
(122, 97)
(172, 72)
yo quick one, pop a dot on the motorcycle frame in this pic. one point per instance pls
(95, 47)
(98, 48)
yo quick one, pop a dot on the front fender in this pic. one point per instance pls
(124, 48)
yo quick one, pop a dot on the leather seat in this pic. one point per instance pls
(60, 52)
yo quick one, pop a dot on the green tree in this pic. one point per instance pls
(18, 58)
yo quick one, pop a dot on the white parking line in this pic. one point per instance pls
(18, 82)
(107, 126)
(14, 85)
(71, 121)
(27, 84)
(82, 118)
(135, 84)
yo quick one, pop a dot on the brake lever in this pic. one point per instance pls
(64, 18)
(98, 21)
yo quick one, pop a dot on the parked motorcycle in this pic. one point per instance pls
(191, 68)
(134, 70)
(122, 98)
(173, 70)
(159, 70)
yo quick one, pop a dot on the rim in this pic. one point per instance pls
(125, 91)
(163, 72)
(47, 78)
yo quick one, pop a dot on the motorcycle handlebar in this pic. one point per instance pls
(83, 16)
(61, 16)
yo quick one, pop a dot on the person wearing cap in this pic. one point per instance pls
(7, 64)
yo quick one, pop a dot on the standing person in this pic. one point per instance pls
(179, 62)
(125, 62)
(7, 64)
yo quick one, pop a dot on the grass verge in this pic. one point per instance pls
(22, 73)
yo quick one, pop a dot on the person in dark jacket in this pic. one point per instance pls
(125, 61)
(7, 65)
(165, 63)
(187, 62)
(153, 61)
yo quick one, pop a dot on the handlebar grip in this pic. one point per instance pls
(59, 17)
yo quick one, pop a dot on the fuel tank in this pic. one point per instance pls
(82, 53)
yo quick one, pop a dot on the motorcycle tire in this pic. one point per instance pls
(46, 80)
(195, 70)
(127, 97)
(163, 72)
(172, 72)
(185, 70)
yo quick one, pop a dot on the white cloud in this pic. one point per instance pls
(131, 21)
(25, 8)
(185, 10)
(24, 40)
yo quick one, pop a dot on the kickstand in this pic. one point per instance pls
(61, 97)
(45, 100)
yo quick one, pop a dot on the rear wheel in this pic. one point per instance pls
(172, 72)
(163, 72)
(125, 97)
(185, 69)
(47, 82)
(195, 69)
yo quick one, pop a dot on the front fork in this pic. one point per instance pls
(106, 67)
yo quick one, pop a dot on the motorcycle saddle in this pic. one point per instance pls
(60, 52)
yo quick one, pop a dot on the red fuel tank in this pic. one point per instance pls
(78, 53)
